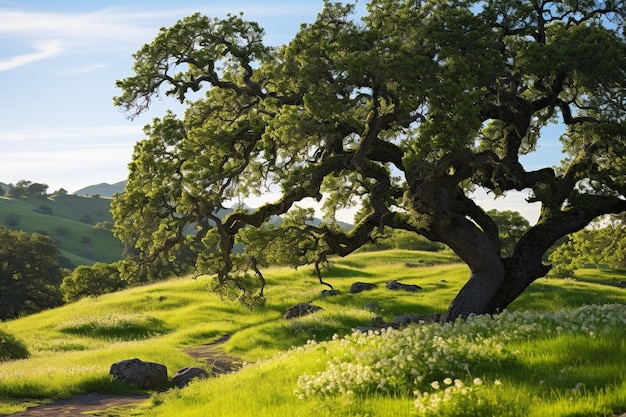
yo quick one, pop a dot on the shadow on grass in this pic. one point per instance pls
(552, 294)
(566, 362)
(116, 327)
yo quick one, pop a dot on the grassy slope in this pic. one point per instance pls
(73, 346)
(66, 226)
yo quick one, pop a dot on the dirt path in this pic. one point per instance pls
(81, 405)
(214, 357)
(97, 404)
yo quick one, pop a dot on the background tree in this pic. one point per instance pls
(24, 188)
(98, 279)
(29, 274)
(404, 113)
(38, 190)
(602, 244)
(511, 227)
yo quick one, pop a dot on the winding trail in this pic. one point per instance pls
(97, 404)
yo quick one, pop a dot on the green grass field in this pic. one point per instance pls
(559, 351)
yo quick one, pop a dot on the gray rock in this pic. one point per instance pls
(407, 319)
(358, 287)
(395, 285)
(299, 310)
(375, 328)
(372, 306)
(139, 373)
(376, 323)
(184, 376)
(328, 293)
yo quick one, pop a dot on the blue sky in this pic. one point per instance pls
(58, 64)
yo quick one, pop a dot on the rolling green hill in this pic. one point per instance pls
(552, 354)
(80, 226)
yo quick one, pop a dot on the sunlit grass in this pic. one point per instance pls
(72, 347)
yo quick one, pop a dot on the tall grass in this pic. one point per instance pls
(72, 347)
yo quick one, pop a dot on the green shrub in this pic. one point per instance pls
(95, 280)
(11, 348)
(12, 220)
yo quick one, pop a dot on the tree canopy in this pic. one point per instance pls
(29, 274)
(403, 112)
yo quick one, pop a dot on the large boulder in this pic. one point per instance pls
(299, 310)
(184, 376)
(358, 287)
(139, 373)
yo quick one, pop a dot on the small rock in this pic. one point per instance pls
(328, 293)
(184, 376)
(365, 329)
(395, 285)
(407, 319)
(139, 373)
(372, 306)
(299, 310)
(357, 287)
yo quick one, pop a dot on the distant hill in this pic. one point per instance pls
(103, 189)
(79, 226)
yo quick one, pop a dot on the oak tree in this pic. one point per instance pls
(404, 112)
(30, 276)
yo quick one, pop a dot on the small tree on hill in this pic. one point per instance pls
(25, 188)
(405, 113)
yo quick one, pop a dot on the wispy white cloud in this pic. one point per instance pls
(127, 24)
(67, 168)
(71, 158)
(106, 24)
(82, 132)
(44, 49)
(85, 69)
(115, 27)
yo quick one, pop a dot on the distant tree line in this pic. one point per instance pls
(26, 188)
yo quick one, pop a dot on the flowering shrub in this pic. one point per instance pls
(410, 359)
(450, 398)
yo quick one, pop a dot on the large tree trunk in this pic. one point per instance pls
(492, 289)
(480, 250)
(495, 282)
(476, 296)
